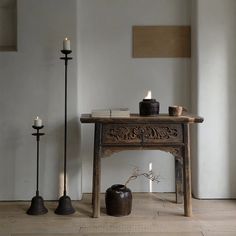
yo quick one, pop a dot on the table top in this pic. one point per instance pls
(136, 118)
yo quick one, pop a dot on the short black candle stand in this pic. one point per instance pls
(37, 204)
(65, 206)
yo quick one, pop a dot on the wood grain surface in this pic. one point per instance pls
(162, 118)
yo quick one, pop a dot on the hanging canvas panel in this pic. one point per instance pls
(161, 41)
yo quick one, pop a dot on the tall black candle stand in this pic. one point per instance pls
(37, 205)
(65, 207)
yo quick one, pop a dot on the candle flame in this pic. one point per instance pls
(149, 95)
(66, 38)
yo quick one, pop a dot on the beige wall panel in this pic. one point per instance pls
(161, 41)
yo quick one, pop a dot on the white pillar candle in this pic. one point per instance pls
(38, 122)
(149, 95)
(66, 44)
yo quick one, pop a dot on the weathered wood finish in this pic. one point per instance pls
(134, 134)
(97, 171)
(187, 173)
(163, 132)
(179, 179)
(135, 118)
(153, 214)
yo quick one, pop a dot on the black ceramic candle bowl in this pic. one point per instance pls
(149, 107)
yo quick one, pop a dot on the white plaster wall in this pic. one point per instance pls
(103, 74)
(110, 77)
(214, 63)
(32, 83)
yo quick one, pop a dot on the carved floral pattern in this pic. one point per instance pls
(139, 133)
(177, 152)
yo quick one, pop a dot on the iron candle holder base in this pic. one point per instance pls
(65, 206)
(37, 206)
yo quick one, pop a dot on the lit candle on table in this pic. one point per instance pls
(66, 44)
(38, 122)
(149, 95)
(149, 106)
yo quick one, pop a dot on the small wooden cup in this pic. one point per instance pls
(176, 110)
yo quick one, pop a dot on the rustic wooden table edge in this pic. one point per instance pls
(185, 118)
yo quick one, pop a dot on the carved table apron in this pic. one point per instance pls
(162, 132)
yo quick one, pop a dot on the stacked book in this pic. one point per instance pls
(117, 112)
(101, 113)
(120, 112)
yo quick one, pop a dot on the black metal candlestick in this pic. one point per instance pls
(65, 207)
(37, 204)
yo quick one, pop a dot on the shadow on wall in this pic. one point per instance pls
(215, 33)
(194, 98)
(74, 160)
(231, 83)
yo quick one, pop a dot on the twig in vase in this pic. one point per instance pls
(149, 175)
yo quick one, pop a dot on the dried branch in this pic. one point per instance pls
(149, 175)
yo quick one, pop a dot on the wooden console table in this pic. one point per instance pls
(162, 132)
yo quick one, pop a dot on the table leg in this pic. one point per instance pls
(93, 181)
(96, 171)
(187, 173)
(179, 180)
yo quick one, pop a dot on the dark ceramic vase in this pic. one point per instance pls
(118, 200)
(149, 107)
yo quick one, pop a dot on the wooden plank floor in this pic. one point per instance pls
(152, 214)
